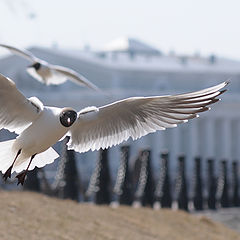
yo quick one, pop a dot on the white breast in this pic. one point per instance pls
(42, 134)
(42, 74)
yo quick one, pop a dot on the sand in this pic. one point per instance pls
(31, 216)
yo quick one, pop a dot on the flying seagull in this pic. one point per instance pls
(48, 73)
(92, 128)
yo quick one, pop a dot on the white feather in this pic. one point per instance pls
(40, 160)
(137, 116)
(16, 111)
(7, 155)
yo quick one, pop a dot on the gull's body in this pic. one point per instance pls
(49, 73)
(39, 127)
(41, 134)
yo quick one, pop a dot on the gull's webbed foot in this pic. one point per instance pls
(7, 174)
(21, 177)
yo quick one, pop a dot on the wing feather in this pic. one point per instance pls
(135, 117)
(73, 76)
(22, 53)
(16, 111)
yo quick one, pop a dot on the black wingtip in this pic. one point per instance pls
(222, 91)
(227, 81)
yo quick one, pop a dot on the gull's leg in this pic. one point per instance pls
(21, 176)
(7, 174)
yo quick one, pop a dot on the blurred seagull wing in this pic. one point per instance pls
(73, 76)
(22, 53)
(137, 116)
(16, 111)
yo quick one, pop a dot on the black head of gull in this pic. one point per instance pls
(67, 117)
(36, 66)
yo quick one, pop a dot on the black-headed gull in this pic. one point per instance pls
(48, 73)
(92, 128)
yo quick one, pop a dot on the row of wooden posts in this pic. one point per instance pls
(138, 186)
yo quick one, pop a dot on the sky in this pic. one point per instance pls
(184, 26)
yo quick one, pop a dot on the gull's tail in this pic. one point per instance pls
(40, 160)
(7, 155)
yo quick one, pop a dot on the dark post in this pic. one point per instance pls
(67, 180)
(32, 182)
(235, 182)
(163, 188)
(45, 185)
(212, 185)
(222, 188)
(1, 180)
(181, 185)
(123, 187)
(197, 185)
(145, 186)
(100, 182)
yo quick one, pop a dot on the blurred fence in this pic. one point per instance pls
(137, 186)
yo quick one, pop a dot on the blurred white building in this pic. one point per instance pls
(127, 67)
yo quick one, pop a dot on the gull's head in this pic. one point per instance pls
(36, 66)
(67, 117)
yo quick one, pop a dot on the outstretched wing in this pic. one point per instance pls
(16, 111)
(73, 76)
(22, 53)
(135, 117)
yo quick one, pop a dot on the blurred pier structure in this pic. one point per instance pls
(136, 185)
(181, 189)
(211, 185)
(235, 185)
(67, 182)
(144, 194)
(123, 185)
(222, 186)
(197, 185)
(99, 188)
(32, 182)
(163, 193)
